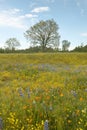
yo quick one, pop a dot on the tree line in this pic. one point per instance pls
(42, 37)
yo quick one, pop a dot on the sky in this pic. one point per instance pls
(17, 16)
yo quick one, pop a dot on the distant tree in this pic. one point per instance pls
(12, 43)
(82, 44)
(65, 45)
(1, 50)
(80, 48)
(43, 34)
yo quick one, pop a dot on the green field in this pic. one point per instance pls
(43, 87)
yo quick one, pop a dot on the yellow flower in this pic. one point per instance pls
(22, 128)
(69, 121)
(61, 95)
(79, 122)
(80, 129)
(42, 122)
(84, 110)
(81, 99)
(16, 122)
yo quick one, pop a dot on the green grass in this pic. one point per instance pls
(43, 86)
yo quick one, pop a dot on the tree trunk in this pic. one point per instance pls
(43, 46)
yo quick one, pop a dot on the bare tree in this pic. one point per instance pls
(12, 43)
(43, 34)
(65, 45)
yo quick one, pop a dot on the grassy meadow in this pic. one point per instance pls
(44, 91)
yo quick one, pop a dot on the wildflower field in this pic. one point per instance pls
(44, 91)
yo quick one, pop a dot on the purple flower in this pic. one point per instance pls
(20, 92)
(73, 93)
(46, 125)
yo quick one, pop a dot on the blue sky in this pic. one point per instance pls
(16, 16)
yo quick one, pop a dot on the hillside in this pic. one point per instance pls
(43, 91)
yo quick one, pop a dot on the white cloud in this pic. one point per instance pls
(10, 18)
(40, 9)
(84, 34)
(11, 11)
(13, 18)
(30, 16)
